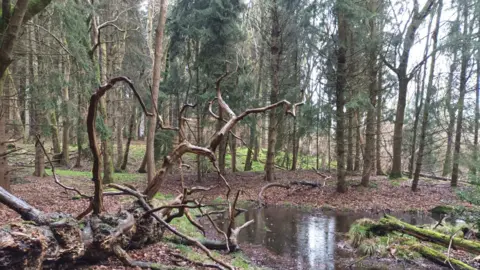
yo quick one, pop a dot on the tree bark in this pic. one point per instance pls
(66, 117)
(447, 164)
(233, 151)
(460, 104)
(131, 134)
(54, 129)
(80, 130)
(4, 175)
(378, 156)
(419, 101)
(37, 112)
(430, 92)
(473, 167)
(275, 52)
(107, 147)
(340, 97)
(403, 80)
(222, 148)
(156, 78)
(369, 159)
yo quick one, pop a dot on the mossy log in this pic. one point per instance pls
(440, 258)
(391, 223)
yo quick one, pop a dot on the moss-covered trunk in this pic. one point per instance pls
(391, 223)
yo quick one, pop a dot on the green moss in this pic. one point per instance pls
(442, 209)
(395, 224)
(439, 257)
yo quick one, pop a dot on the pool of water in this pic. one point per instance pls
(309, 238)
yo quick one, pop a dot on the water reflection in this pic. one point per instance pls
(307, 237)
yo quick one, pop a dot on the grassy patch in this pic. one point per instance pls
(398, 181)
(237, 259)
(137, 151)
(304, 161)
(117, 177)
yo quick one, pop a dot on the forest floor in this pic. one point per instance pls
(382, 195)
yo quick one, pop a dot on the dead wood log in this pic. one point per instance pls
(430, 176)
(440, 258)
(391, 223)
(286, 185)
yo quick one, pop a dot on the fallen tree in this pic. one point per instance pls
(391, 223)
(440, 258)
(424, 241)
(59, 239)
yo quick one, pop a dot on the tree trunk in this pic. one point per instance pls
(350, 144)
(119, 139)
(418, 108)
(430, 93)
(352, 161)
(369, 159)
(340, 97)
(222, 148)
(451, 109)
(473, 167)
(131, 134)
(253, 147)
(275, 52)
(66, 117)
(294, 146)
(22, 12)
(233, 151)
(107, 147)
(251, 144)
(358, 139)
(156, 78)
(80, 130)
(460, 104)
(419, 101)
(378, 156)
(38, 116)
(403, 80)
(54, 129)
(4, 175)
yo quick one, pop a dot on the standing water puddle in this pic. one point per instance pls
(309, 238)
